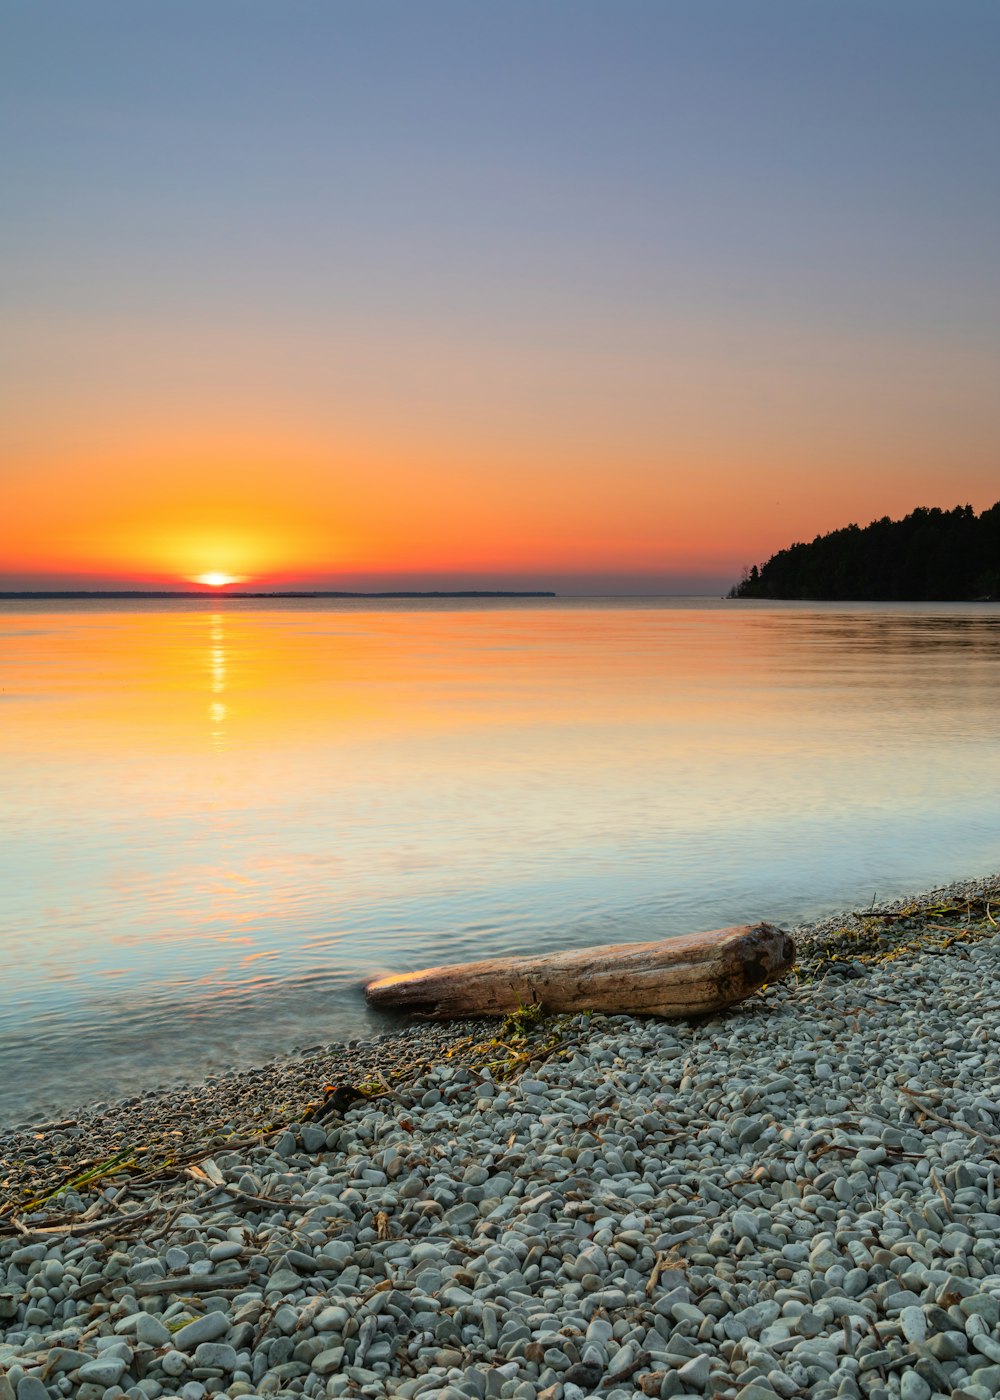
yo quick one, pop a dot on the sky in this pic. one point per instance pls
(599, 297)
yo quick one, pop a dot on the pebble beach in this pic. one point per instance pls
(799, 1197)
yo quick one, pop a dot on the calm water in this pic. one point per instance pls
(216, 822)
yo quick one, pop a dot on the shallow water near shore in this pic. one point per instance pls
(218, 820)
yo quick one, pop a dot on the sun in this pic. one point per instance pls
(216, 579)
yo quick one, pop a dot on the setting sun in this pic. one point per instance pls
(216, 580)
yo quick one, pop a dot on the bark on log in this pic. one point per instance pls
(686, 976)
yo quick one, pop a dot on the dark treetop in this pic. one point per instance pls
(931, 555)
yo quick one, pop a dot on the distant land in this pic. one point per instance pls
(220, 595)
(943, 556)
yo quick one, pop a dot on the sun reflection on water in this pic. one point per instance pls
(218, 665)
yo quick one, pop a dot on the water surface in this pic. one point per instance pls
(217, 820)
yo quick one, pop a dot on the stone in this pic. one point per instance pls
(948, 1346)
(208, 1328)
(328, 1361)
(585, 1374)
(105, 1370)
(744, 1225)
(982, 1305)
(914, 1324)
(333, 1319)
(150, 1331)
(987, 1346)
(313, 1139)
(225, 1249)
(695, 1373)
(913, 1387)
(215, 1354)
(66, 1359)
(31, 1388)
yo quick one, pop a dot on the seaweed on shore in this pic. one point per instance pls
(874, 938)
(526, 1038)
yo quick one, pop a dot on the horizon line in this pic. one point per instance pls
(216, 595)
(133, 594)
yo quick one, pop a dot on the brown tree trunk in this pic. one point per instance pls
(685, 976)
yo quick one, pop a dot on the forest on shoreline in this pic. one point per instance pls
(930, 555)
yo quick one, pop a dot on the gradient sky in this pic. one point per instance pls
(595, 296)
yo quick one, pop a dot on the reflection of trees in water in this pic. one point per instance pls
(931, 556)
(889, 633)
(906, 661)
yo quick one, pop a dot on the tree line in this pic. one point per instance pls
(929, 555)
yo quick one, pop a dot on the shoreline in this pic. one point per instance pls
(842, 937)
(798, 1196)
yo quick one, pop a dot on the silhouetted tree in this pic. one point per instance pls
(931, 554)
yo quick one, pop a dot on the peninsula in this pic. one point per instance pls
(929, 556)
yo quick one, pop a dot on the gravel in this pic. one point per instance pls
(800, 1197)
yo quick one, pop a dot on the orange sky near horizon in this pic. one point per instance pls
(661, 461)
(160, 503)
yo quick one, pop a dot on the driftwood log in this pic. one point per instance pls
(685, 976)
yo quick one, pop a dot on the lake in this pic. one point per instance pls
(217, 819)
